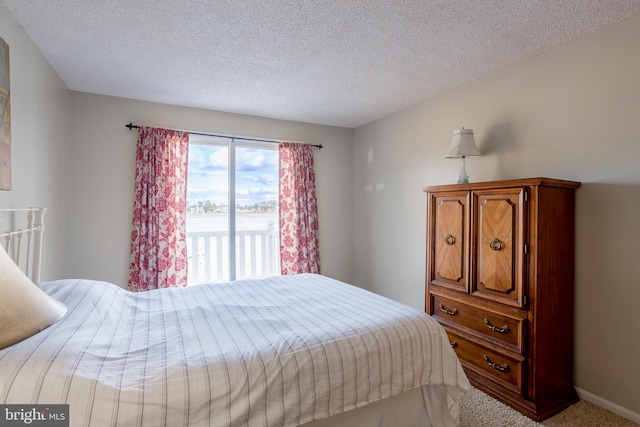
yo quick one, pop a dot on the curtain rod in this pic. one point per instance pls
(131, 126)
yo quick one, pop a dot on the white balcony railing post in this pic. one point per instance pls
(273, 250)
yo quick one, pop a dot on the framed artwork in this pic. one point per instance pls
(5, 118)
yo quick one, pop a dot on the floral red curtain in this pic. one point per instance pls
(299, 249)
(158, 236)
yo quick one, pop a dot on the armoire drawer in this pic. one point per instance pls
(498, 367)
(503, 330)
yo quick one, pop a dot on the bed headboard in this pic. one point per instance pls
(21, 236)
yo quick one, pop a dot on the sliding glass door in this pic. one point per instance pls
(232, 208)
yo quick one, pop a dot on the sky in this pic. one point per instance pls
(256, 173)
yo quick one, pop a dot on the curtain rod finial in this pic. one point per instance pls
(131, 126)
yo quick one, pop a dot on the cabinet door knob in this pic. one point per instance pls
(449, 239)
(449, 312)
(495, 244)
(454, 344)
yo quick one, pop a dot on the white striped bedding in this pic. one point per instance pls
(280, 351)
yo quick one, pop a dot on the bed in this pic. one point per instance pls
(281, 351)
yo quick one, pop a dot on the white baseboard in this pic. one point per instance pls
(609, 406)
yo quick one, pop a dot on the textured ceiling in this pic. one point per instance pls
(335, 62)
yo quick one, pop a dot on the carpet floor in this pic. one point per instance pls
(481, 410)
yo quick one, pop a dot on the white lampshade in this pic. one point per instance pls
(462, 144)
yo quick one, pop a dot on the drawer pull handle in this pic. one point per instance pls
(449, 312)
(449, 239)
(502, 368)
(505, 329)
(495, 244)
(454, 344)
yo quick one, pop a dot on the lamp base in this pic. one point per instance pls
(463, 178)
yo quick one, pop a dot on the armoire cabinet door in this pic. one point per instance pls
(497, 260)
(449, 233)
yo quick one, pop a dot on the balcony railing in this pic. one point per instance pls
(257, 254)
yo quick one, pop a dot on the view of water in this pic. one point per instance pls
(219, 222)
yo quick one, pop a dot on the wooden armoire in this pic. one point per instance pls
(500, 280)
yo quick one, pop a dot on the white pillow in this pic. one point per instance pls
(24, 308)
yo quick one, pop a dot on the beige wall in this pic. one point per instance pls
(40, 118)
(573, 114)
(102, 165)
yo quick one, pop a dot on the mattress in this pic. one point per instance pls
(281, 351)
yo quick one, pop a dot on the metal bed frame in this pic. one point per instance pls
(23, 238)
